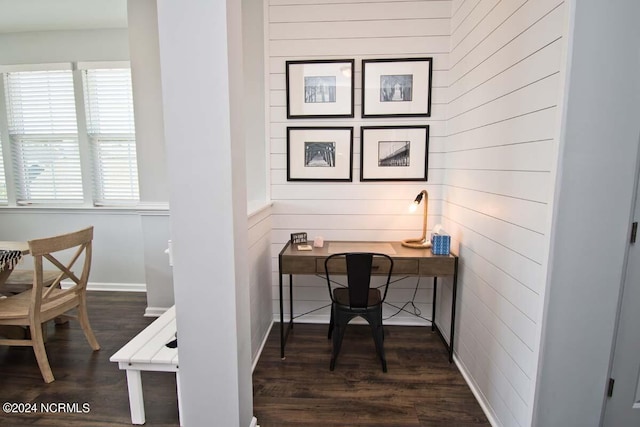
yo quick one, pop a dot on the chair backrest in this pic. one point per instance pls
(359, 267)
(51, 249)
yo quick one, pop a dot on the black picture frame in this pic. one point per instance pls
(320, 153)
(320, 88)
(394, 153)
(396, 87)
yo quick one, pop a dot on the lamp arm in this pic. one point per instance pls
(422, 242)
(424, 218)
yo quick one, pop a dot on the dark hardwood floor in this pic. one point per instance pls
(83, 376)
(420, 389)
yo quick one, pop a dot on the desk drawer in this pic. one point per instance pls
(400, 266)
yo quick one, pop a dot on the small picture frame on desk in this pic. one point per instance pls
(298, 238)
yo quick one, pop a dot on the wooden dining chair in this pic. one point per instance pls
(41, 303)
(22, 280)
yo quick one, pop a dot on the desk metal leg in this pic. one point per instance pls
(291, 301)
(453, 309)
(433, 305)
(281, 309)
(284, 334)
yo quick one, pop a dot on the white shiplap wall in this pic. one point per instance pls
(500, 152)
(493, 147)
(345, 29)
(259, 265)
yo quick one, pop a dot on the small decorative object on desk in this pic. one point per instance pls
(298, 238)
(9, 259)
(440, 241)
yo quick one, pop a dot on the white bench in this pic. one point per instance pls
(147, 351)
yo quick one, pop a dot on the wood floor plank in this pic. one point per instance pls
(84, 376)
(421, 387)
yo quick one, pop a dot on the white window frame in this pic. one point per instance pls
(86, 157)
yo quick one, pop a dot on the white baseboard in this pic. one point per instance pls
(259, 352)
(486, 408)
(117, 287)
(320, 318)
(155, 311)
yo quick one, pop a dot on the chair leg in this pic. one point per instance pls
(86, 326)
(340, 326)
(41, 353)
(330, 325)
(377, 330)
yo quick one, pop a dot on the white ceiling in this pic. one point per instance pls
(51, 15)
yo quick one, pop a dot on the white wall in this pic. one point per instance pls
(117, 261)
(203, 118)
(330, 29)
(592, 214)
(505, 81)
(259, 268)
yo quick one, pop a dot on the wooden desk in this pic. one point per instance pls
(407, 261)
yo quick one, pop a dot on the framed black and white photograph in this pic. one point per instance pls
(320, 88)
(394, 153)
(319, 153)
(396, 87)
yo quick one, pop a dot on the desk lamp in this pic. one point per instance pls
(422, 242)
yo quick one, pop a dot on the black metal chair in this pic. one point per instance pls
(358, 298)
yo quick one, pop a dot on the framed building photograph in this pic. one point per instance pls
(394, 153)
(320, 88)
(319, 153)
(396, 87)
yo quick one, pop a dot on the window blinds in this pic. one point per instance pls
(44, 136)
(111, 130)
(3, 183)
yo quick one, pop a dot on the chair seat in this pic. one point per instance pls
(16, 307)
(341, 296)
(22, 280)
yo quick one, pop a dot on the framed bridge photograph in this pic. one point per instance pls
(394, 153)
(396, 87)
(319, 153)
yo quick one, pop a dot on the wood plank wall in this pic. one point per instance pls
(345, 29)
(259, 265)
(492, 155)
(500, 155)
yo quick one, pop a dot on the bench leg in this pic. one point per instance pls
(136, 399)
(179, 398)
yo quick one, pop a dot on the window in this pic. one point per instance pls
(111, 130)
(43, 136)
(59, 156)
(3, 183)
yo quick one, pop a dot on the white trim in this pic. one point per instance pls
(111, 287)
(116, 287)
(256, 207)
(97, 65)
(259, 352)
(54, 66)
(323, 319)
(482, 401)
(155, 311)
(153, 208)
(69, 210)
